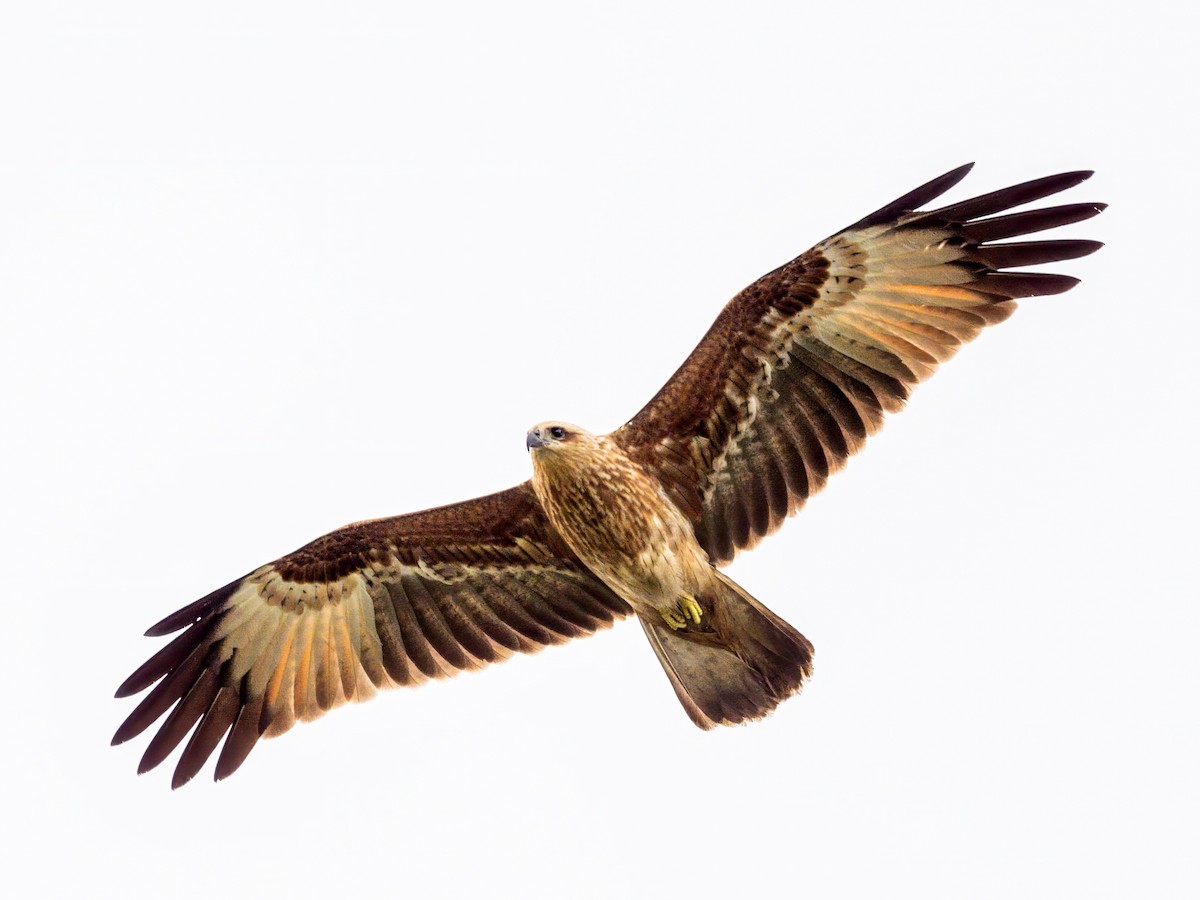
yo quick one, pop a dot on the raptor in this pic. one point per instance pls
(796, 372)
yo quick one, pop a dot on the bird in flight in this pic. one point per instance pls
(798, 369)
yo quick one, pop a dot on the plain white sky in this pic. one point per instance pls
(269, 268)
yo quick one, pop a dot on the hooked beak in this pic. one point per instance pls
(533, 440)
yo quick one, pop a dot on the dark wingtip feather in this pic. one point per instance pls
(162, 696)
(181, 720)
(193, 612)
(915, 198)
(1017, 224)
(1017, 285)
(1033, 253)
(1007, 198)
(216, 722)
(128, 729)
(242, 739)
(161, 662)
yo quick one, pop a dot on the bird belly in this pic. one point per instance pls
(649, 579)
(626, 531)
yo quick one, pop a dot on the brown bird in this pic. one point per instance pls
(795, 373)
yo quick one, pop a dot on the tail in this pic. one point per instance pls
(738, 665)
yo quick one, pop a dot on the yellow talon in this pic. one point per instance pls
(685, 610)
(691, 609)
(672, 617)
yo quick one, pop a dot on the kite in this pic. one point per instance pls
(798, 369)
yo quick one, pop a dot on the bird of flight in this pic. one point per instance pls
(798, 369)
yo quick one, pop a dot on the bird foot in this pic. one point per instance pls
(685, 610)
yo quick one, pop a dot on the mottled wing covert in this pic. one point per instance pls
(374, 605)
(800, 367)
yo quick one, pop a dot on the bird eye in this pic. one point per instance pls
(558, 433)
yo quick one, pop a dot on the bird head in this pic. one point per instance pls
(549, 437)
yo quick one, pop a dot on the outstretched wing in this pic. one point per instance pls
(378, 604)
(800, 367)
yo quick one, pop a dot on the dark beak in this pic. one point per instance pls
(533, 440)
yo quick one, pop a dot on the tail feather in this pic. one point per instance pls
(747, 664)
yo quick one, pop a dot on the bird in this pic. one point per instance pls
(796, 372)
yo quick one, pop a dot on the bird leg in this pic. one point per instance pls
(685, 610)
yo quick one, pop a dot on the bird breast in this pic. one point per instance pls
(619, 522)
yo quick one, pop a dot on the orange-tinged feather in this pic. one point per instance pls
(944, 292)
(300, 687)
(275, 685)
(345, 651)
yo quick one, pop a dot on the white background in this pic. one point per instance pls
(265, 270)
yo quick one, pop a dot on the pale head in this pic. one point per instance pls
(553, 435)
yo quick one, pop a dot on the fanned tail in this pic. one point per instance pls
(746, 664)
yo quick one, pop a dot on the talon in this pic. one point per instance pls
(673, 619)
(686, 609)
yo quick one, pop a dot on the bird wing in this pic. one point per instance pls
(378, 604)
(800, 367)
